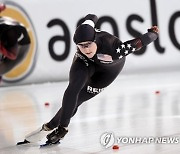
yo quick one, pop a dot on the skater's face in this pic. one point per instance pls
(88, 48)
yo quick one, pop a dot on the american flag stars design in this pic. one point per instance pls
(124, 49)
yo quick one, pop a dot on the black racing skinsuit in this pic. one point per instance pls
(88, 77)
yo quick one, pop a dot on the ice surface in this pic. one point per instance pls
(143, 105)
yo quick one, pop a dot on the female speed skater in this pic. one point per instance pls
(99, 59)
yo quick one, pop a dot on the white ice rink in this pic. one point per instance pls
(129, 108)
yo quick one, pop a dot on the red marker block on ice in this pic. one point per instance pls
(115, 147)
(46, 103)
(157, 92)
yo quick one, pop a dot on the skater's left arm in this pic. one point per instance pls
(124, 49)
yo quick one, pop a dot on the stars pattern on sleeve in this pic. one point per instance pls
(124, 49)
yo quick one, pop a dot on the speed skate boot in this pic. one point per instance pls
(36, 135)
(57, 135)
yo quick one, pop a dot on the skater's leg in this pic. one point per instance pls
(83, 96)
(55, 121)
(79, 77)
(60, 132)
